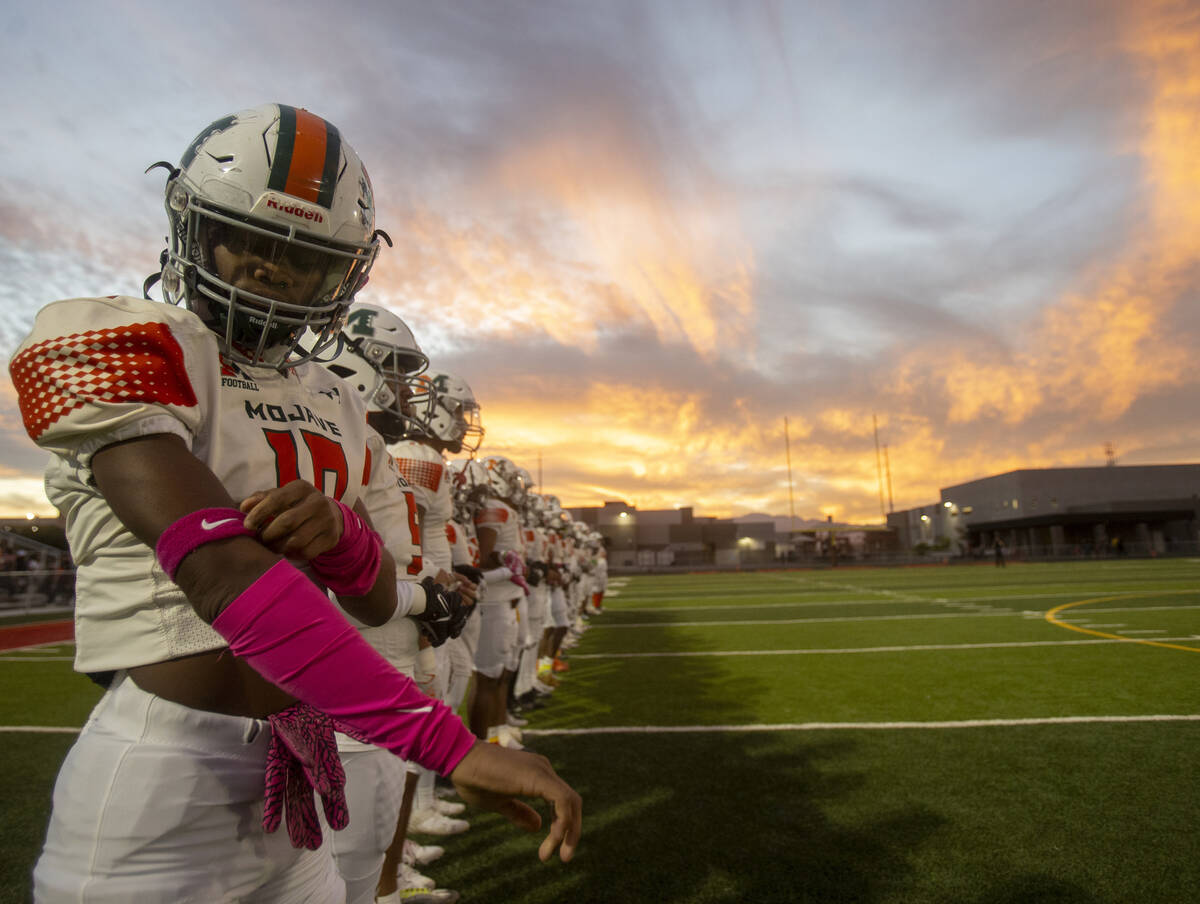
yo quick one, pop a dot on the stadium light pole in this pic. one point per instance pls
(787, 448)
(879, 468)
(887, 464)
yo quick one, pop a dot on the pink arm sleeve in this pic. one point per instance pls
(290, 633)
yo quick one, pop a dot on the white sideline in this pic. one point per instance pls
(850, 726)
(915, 648)
(39, 729)
(804, 621)
(783, 726)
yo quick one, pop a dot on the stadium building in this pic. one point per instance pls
(652, 539)
(1061, 512)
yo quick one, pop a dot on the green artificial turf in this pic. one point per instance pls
(1070, 813)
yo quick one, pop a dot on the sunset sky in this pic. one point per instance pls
(647, 232)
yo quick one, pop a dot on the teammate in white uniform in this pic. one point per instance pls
(468, 492)
(555, 520)
(445, 419)
(498, 528)
(378, 355)
(160, 419)
(537, 554)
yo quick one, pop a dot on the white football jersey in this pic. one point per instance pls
(393, 511)
(95, 371)
(537, 545)
(464, 546)
(425, 470)
(392, 506)
(501, 517)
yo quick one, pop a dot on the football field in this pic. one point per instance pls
(932, 734)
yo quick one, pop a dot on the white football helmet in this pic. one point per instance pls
(527, 483)
(445, 408)
(469, 488)
(553, 509)
(378, 354)
(502, 477)
(272, 231)
(535, 509)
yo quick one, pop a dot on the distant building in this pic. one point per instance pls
(1135, 509)
(677, 538)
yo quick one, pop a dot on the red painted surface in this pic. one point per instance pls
(29, 635)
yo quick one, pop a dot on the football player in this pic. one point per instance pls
(160, 418)
(557, 523)
(444, 416)
(537, 553)
(498, 529)
(377, 356)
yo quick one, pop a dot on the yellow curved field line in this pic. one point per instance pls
(1051, 617)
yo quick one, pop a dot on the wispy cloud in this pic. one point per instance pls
(647, 235)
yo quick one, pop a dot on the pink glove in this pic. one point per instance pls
(516, 565)
(302, 757)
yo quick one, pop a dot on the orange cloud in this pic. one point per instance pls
(578, 238)
(1093, 353)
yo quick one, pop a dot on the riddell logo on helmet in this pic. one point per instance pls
(304, 213)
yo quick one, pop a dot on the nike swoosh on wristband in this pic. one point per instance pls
(212, 525)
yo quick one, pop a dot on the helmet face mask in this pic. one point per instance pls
(272, 231)
(469, 489)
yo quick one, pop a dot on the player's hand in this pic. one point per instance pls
(467, 589)
(459, 583)
(493, 777)
(470, 582)
(296, 520)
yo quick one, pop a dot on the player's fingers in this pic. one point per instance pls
(567, 825)
(273, 503)
(519, 814)
(266, 508)
(250, 501)
(308, 521)
(303, 539)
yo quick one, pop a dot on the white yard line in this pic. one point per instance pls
(836, 651)
(805, 621)
(836, 726)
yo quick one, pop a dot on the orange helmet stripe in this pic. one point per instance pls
(306, 156)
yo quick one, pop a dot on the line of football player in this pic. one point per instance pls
(521, 575)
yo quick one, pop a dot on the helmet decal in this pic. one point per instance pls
(360, 321)
(307, 155)
(215, 128)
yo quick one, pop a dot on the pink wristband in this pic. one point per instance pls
(351, 567)
(291, 634)
(196, 529)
